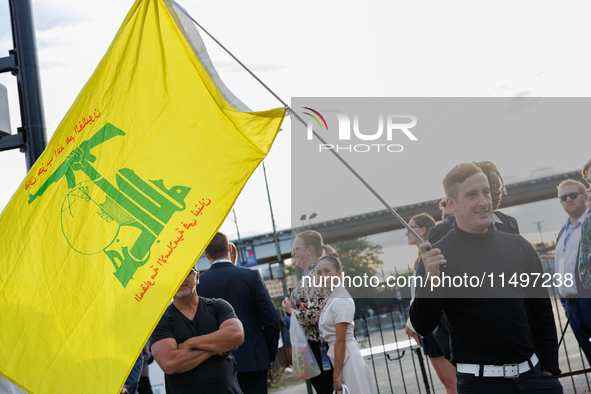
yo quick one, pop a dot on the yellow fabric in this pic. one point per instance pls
(138, 177)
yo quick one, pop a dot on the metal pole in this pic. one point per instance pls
(28, 81)
(275, 236)
(371, 189)
(423, 372)
(239, 246)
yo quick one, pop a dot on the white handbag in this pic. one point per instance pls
(344, 391)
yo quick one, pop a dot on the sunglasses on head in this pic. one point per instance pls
(572, 196)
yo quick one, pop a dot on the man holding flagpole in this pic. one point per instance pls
(503, 337)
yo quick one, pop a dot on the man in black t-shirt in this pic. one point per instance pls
(503, 336)
(192, 341)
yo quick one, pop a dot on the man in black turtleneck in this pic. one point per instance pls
(503, 337)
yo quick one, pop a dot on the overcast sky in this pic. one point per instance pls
(335, 49)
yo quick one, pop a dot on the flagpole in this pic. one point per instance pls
(275, 236)
(334, 152)
(239, 249)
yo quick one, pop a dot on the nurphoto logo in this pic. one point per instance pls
(390, 127)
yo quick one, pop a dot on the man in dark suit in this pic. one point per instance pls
(244, 290)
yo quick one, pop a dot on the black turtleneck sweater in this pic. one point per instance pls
(490, 330)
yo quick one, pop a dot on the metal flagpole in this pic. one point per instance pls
(239, 248)
(275, 236)
(371, 189)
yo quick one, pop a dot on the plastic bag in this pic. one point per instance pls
(344, 391)
(303, 360)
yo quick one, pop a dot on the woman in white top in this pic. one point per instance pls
(336, 327)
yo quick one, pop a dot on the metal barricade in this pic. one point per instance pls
(399, 365)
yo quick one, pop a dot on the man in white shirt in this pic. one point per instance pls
(575, 298)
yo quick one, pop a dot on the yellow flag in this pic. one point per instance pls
(138, 177)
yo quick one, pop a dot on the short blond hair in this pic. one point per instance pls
(314, 239)
(458, 175)
(578, 184)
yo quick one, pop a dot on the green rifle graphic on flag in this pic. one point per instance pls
(147, 206)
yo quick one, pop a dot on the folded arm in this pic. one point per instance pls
(229, 336)
(174, 359)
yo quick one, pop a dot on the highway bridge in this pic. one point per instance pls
(356, 226)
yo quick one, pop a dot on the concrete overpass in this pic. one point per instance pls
(381, 221)
(355, 226)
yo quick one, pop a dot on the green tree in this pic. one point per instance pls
(359, 256)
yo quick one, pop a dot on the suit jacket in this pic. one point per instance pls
(245, 291)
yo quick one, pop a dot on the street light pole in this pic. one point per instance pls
(275, 236)
(28, 81)
(239, 246)
(312, 216)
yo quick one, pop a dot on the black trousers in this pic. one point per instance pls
(532, 381)
(144, 387)
(254, 382)
(323, 382)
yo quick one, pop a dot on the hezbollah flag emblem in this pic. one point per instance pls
(137, 178)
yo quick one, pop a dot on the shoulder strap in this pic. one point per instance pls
(560, 233)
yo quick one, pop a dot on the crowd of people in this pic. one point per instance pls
(221, 331)
(509, 333)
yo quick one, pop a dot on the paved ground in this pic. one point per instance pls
(301, 389)
(295, 389)
(404, 375)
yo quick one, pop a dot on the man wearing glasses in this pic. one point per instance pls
(575, 298)
(192, 342)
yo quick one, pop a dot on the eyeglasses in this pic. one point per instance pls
(572, 196)
(495, 187)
